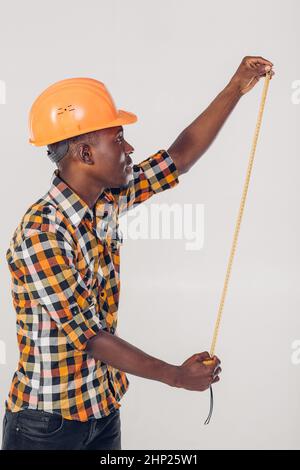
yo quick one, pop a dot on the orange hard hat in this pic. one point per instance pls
(72, 107)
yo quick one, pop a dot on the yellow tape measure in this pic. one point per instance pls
(239, 219)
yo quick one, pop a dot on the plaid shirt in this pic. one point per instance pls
(65, 267)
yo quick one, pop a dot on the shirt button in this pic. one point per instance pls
(46, 210)
(75, 309)
(93, 302)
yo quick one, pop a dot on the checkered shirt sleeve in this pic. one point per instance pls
(153, 175)
(45, 261)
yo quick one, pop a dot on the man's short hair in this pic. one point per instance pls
(58, 150)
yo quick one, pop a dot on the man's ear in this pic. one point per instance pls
(85, 154)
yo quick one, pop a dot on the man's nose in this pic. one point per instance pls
(128, 148)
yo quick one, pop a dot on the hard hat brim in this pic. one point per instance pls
(123, 118)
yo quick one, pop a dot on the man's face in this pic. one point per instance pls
(112, 163)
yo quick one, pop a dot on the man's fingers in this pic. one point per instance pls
(258, 60)
(211, 369)
(215, 374)
(261, 65)
(263, 69)
(217, 361)
(203, 356)
(216, 379)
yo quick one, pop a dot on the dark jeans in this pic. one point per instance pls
(39, 430)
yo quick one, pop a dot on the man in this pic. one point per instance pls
(64, 262)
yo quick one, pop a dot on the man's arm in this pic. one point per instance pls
(191, 375)
(122, 355)
(195, 139)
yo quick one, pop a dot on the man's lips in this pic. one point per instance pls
(129, 163)
(128, 168)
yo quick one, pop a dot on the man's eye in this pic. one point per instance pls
(120, 139)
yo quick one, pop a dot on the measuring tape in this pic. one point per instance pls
(236, 233)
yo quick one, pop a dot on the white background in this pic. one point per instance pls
(166, 61)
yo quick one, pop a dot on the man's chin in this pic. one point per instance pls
(124, 180)
(127, 177)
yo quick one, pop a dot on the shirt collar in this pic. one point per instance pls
(73, 206)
